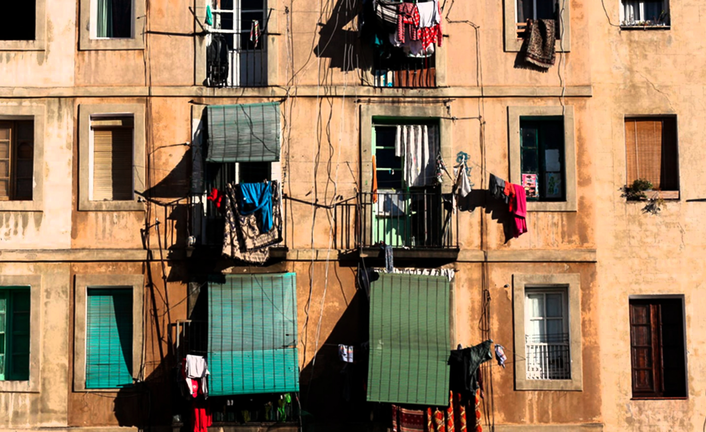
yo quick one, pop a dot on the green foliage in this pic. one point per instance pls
(636, 191)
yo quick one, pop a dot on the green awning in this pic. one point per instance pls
(243, 133)
(409, 340)
(252, 335)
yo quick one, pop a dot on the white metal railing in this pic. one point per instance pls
(548, 361)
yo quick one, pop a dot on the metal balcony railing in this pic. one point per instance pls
(416, 220)
(548, 357)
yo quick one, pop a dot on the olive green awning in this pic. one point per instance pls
(409, 339)
(243, 133)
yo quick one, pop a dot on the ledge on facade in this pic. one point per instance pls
(403, 254)
(585, 427)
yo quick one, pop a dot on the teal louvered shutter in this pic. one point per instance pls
(252, 335)
(243, 133)
(14, 333)
(409, 340)
(109, 338)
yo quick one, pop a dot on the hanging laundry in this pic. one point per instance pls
(255, 32)
(407, 20)
(450, 422)
(389, 262)
(500, 355)
(196, 369)
(345, 353)
(399, 140)
(478, 415)
(519, 209)
(216, 196)
(461, 421)
(202, 417)
(429, 23)
(257, 197)
(407, 420)
(496, 187)
(464, 365)
(463, 183)
(439, 425)
(540, 49)
(209, 15)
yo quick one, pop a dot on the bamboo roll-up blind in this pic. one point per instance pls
(651, 151)
(112, 160)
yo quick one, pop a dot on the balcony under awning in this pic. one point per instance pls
(243, 133)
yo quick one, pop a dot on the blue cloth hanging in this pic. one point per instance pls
(259, 196)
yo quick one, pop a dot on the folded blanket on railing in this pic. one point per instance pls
(540, 45)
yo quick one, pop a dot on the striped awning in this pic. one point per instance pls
(409, 340)
(243, 133)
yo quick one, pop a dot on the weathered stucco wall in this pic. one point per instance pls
(649, 73)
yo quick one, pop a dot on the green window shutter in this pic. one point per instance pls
(243, 133)
(14, 333)
(109, 338)
(18, 342)
(409, 340)
(252, 335)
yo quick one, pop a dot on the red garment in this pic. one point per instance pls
(510, 193)
(215, 196)
(202, 412)
(407, 15)
(478, 423)
(520, 209)
(461, 408)
(450, 427)
(439, 425)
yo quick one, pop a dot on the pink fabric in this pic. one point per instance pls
(407, 15)
(519, 209)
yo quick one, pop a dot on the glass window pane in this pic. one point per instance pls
(252, 4)
(545, 9)
(385, 158)
(535, 331)
(535, 303)
(554, 305)
(555, 329)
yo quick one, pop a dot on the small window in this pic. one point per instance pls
(18, 21)
(112, 19)
(109, 338)
(536, 10)
(14, 334)
(542, 158)
(657, 348)
(111, 168)
(641, 13)
(651, 145)
(547, 334)
(16, 160)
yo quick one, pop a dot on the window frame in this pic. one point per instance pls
(544, 291)
(625, 25)
(36, 113)
(656, 299)
(13, 158)
(34, 283)
(571, 282)
(40, 40)
(134, 282)
(514, 44)
(87, 27)
(515, 113)
(86, 112)
(669, 194)
(540, 148)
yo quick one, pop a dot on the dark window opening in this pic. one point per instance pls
(542, 158)
(114, 19)
(18, 20)
(16, 160)
(657, 348)
(536, 10)
(651, 147)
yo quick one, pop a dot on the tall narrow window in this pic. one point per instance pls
(109, 338)
(14, 334)
(113, 18)
(112, 167)
(239, 29)
(547, 334)
(651, 151)
(16, 160)
(542, 158)
(657, 348)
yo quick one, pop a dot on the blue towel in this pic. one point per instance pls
(258, 195)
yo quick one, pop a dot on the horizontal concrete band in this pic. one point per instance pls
(88, 255)
(585, 427)
(302, 91)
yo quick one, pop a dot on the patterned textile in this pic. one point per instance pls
(407, 18)
(540, 45)
(242, 238)
(461, 421)
(450, 427)
(439, 425)
(407, 420)
(430, 420)
(479, 427)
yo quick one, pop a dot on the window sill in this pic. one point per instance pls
(20, 206)
(664, 195)
(516, 46)
(87, 44)
(644, 27)
(550, 206)
(638, 398)
(111, 206)
(22, 45)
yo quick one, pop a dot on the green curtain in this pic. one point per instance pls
(104, 19)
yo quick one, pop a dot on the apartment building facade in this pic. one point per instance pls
(129, 127)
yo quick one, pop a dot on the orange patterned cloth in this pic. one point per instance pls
(439, 421)
(479, 427)
(450, 414)
(461, 417)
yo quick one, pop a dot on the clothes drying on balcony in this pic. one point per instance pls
(256, 198)
(243, 238)
(464, 368)
(418, 144)
(518, 207)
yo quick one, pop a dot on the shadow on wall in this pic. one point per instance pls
(333, 391)
(498, 210)
(339, 31)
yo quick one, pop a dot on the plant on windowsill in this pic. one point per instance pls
(636, 192)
